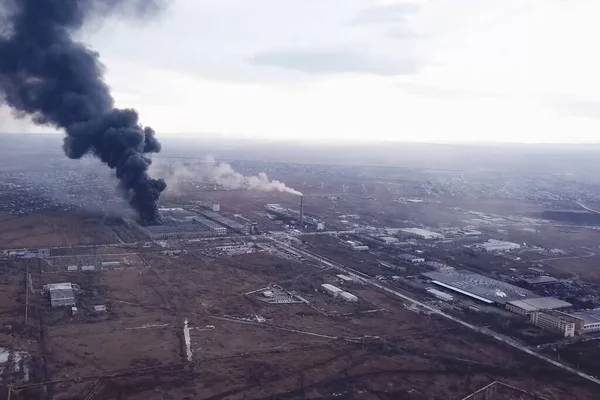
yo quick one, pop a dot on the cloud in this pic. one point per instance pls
(574, 106)
(386, 14)
(335, 61)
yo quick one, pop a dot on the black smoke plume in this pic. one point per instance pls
(58, 81)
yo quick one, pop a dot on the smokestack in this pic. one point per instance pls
(58, 81)
(301, 210)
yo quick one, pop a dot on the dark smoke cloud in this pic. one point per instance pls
(46, 74)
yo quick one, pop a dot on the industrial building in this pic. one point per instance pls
(528, 306)
(388, 239)
(213, 226)
(110, 264)
(337, 292)
(479, 287)
(553, 321)
(409, 258)
(422, 233)
(494, 245)
(586, 321)
(440, 295)
(61, 294)
(540, 280)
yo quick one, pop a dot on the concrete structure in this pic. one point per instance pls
(587, 321)
(348, 297)
(440, 295)
(479, 287)
(332, 290)
(101, 308)
(61, 294)
(211, 225)
(388, 239)
(268, 293)
(111, 264)
(553, 322)
(88, 268)
(409, 258)
(345, 278)
(528, 306)
(422, 233)
(540, 280)
(494, 245)
(72, 268)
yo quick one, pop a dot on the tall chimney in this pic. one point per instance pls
(301, 210)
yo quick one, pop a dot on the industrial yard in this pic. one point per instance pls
(353, 289)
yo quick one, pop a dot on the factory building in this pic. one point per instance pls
(332, 290)
(479, 287)
(494, 245)
(586, 321)
(388, 239)
(213, 226)
(111, 264)
(337, 292)
(528, 306)
(409, 258)
(348, 297)
(422, 233)
(61, 294)
(553, 322)
(440, 295)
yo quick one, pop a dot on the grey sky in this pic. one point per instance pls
(433, 70)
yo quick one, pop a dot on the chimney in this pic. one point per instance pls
(301, 210)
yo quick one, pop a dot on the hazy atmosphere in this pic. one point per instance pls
(443, 70)
(299, 199)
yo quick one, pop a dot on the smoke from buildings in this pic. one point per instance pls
(46, 74)
(219, 173)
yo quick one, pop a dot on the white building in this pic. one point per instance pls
(440, 295)
(493, 245)
(422, 233)
(388, 239)
(553, 322)
(61, 294)
(111, 263)
(348, 297)
(411, 258)
(332, 290)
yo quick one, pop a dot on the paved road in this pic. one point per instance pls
(437, 311)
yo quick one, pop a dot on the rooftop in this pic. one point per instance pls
(479, 286)
(588, 316)
(540, 303)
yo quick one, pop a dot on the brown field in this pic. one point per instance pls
(297, 351)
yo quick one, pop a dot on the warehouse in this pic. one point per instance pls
(422, 233)
(61, 294)
(332, 290)
(409, 258)
(528, 306)
(479, 287)
(440, 295)
(588, 320)
(494, 245)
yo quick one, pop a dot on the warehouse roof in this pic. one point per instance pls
(479, 286)
(541, 279)
(588, 316)
(540, 303)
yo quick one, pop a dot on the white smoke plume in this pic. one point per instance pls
(223, 174)
(220, 173)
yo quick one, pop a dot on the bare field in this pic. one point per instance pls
(243, 348)
(51, 230)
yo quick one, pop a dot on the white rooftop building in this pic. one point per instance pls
(498, 245)
(422, 233)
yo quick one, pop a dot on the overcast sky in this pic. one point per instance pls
(430, 70)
